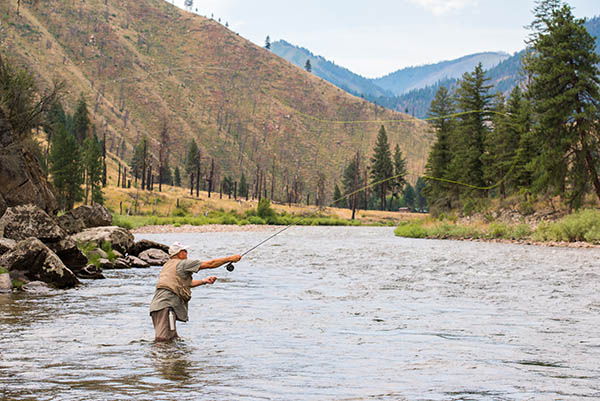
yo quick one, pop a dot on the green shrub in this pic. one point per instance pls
(498, 230)
(521, 231)
(581, 226)
(107, 247)
(17, 284)
(177, 225)
(264, 210)
(412, 229)
(256, 220)
(3, 270)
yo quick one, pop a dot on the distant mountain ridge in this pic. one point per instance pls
(412, 89)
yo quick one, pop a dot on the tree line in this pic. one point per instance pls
(543, 140)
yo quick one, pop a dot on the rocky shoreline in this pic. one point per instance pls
(37, 249)
(211, 228)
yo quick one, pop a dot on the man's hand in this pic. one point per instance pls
(235, 258)
(210, 280)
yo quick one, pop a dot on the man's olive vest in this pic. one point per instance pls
(170, 280)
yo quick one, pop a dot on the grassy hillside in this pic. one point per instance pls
(138, 62)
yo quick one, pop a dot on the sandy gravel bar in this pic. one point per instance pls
(211, 228)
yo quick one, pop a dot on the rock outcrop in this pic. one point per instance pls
(34, 261)
(143, 245)
(91, 272)
(21, 178)
(6, 245)
(154, 257)
(25, 221)
(134, 261)
(120, 238)
(84, 217)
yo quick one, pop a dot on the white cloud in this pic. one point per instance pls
(439, 7)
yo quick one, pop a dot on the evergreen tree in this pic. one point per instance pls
(352, 180)
(519, 109)
(192, 158)
(81, 121)
(381, 166)
(139, 158)
(471, 129)
(92, 162)
(66, 168)
(337, 194)
(399, 171)
(420, 200)
(177, 177)
(243, 187)
(308, 66)
(564, 90)
(438, 193)
(267, 46)
(409, 196)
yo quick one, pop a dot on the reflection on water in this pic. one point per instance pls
(321, 313)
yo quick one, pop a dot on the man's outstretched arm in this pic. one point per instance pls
(208, 280)
(213, 264)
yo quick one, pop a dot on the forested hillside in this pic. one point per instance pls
(144, 65)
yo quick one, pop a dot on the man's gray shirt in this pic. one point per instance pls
(164, 298)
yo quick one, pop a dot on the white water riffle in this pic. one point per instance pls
(322, 313)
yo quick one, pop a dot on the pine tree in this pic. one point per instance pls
(381, 166)
(308, 66)
(92, 162)
(471, 129)
(519, 109)
(409, 197)
(438, 193)
(177, 177)
(337, 194)
(399, 171)
(139, 158)
(352, 180)
(420, 200)
(564, 90)
(267, 46)
(81, 121)
(243, 187)
(66, 168)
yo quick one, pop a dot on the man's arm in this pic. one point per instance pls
(208, 280)
(213, 264)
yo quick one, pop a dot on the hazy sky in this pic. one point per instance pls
(376, 37)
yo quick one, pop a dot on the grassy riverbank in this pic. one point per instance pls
(582, 226)
(134, 208)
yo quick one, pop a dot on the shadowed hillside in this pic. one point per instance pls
(138, 62)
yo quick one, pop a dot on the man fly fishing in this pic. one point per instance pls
(173, 291)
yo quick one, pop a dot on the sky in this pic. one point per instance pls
(376, 37)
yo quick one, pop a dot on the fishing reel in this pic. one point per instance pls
(229, 267)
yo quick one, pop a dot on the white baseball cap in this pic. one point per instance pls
(176, 248)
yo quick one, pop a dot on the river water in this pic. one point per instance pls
(319, 313)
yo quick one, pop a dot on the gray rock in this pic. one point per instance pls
(26, 221)
(69, 253)
(117, 254)
(91, 272)
(143, 245)
(154, 257)
(70, 223)
(98, 251)
(134, 261)
(37, 287)
(120, 238)
(5, 282)
(93, 216)
(21, 178)
(121, 263)
(106, 264)
(6, 245)
(3, 205)
(35, 261)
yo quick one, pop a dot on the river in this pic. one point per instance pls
(322, 313)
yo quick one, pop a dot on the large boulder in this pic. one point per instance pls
(85, 217)
(21, 178)
(6, 245)
(91, 272)
(69, 253)
(120, 238)
(26, 221)
(33, 260)
(154, 257)
(145, 244)
(134, 261)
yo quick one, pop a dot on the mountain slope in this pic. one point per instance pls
(329, 71)
(139, 61)
(411, 78)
